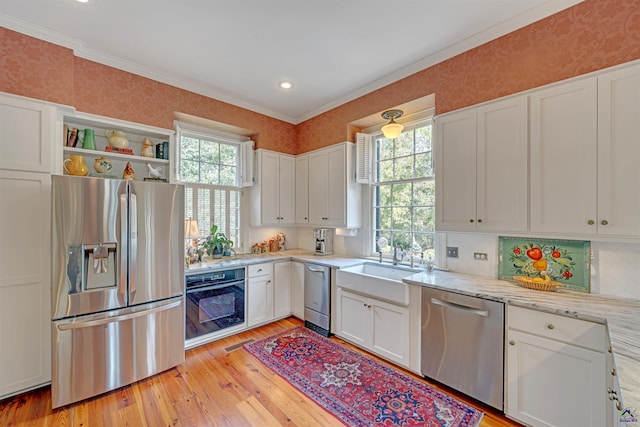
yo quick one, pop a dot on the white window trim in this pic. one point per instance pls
(420, 119)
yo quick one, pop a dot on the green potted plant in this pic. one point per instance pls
(216, 243)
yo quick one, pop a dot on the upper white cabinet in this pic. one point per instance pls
(274, 191)
(619, 152)
(563, 157)
(481, 168)
(26, 134)
(302, 189)
(135, 134)
(334, 196)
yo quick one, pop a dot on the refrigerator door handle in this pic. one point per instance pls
(123, 249)
(133, 245)
(128, 316)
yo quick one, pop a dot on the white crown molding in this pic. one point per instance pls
(546, 9)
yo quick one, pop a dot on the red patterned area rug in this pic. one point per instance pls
(356, 389)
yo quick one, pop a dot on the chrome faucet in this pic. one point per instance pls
(402, 253)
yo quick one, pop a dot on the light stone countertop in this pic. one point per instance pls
(622, 316)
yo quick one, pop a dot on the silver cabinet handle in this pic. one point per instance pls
(479, 312)
(99, 322)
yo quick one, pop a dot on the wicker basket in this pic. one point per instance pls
(528, 282)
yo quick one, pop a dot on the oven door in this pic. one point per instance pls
(213, 308)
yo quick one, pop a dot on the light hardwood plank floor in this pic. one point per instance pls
(216, 386)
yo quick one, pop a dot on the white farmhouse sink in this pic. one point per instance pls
(381, 281)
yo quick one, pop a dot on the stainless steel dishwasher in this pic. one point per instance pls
(463, 344)
(317, 298)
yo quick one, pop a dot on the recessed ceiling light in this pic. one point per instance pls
(285, 85)
(82, 1)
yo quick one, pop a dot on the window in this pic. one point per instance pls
(403, 192)
(209, 168)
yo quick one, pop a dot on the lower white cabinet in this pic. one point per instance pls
(260, 293)
(375, 325)
(282, 289)
(556, 370)
(297, 290)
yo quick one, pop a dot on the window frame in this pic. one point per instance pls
(426, 119)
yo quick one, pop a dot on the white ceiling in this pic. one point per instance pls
(238, 50)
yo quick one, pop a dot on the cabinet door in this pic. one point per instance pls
(455, 169)
(302, 189)
(552, 383)
(282, 289)
(502, 166)
(297, 290)
(25, 280)
(318, 191)
(27, 135)
(619, 152)
(353, 318)
(260, 300)
(286, 190)
(563, 158)
(337, 187)
(269, 211)
(390, 331)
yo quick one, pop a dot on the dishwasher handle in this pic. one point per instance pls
(316, 269)
(478, 311)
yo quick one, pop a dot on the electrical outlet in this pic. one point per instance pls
(482, 256)
(452, 252)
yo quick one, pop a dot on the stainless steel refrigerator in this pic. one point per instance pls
(117, 283)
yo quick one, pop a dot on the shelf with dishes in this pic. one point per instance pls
(111, 148)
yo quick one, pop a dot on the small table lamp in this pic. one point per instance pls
(192, 233)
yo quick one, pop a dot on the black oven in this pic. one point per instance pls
(215, 301)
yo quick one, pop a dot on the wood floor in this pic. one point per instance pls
(216, 386)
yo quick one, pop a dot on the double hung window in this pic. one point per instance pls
(209, 167)
(403, 192)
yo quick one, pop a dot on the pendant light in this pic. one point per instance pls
(392, 129)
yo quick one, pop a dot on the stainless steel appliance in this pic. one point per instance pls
(462, 344)
(324, 240)
(117, 283)
(215, 301)
(317, 298)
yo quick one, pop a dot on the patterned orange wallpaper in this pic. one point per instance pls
(592, 35)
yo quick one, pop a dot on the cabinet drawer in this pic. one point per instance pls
(256, 270)
(581, 333)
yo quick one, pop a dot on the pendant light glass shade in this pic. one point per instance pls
(392, 129)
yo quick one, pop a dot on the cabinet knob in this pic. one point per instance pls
(591, 222)
(512, 342)
(604, 222)
(305, 218)
(613, 372)
(471, 220)
(479, 220)
(550, 326)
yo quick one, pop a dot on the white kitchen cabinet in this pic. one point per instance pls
(260, 293)
(564, 157)
(26, 152)
(334, 196)
(135, 134)
(26, 134)
(555, 370)
(302, 189)
(274, 191)
(374, 325)
(297, 290)
(283, 272)
(618, 153)
(481, 173)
